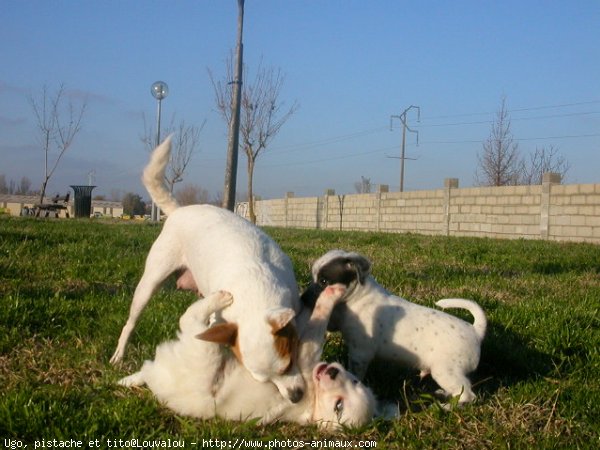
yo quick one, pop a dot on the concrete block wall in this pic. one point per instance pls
(358, 212)
(415, 212)
(270, 213)
(575, 212)
(506, 211)
(303, 212)
(547, 211)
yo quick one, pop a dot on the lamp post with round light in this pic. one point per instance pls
(159, 90)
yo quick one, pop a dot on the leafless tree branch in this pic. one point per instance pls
(56, 131)
(499, 164)
(185, 143)
(262, 113)
(542, 161)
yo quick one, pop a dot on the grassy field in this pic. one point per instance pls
(66, 286)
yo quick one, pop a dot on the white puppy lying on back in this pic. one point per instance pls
(222, 251)
(375, 323)
(200, 379)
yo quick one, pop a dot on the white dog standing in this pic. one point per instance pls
(375, 323)
(223, 251)
(201, 379)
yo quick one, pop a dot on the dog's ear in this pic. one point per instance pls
(222, 333)
(361, 264)
(279, 318)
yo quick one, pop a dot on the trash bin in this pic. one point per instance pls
(83, 200)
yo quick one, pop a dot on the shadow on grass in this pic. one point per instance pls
(506, 359)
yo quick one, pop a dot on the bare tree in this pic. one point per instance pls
(541, 161)
(185, 143)
(4, 188)
(262, 114)
(499, 164)
(24, 186)
(191, 194)
(363, 186)
(57, 125)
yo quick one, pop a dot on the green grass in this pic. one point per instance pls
(66, 286)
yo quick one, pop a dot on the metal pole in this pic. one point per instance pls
(405, 127)
(155, 213)
(159, 90)
(234, 125)
(158, 122)
(403, 119)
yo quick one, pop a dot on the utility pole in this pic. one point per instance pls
(402, 118)
(234, 125)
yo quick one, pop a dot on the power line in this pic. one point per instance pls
(564, 105)
(291, 148)
(345, 137)
(331, 158)
(553, 116)
(326, 141)
(539, 138)
(531, 108)
(467, 141)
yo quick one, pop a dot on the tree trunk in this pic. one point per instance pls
(43, 191)
(251, 214)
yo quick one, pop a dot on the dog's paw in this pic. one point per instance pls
(135, 379)
(225, 298)
(117, 357)
(334, 293)
(441, 393)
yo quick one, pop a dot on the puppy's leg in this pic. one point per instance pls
(161, 261)
(196, 317)
(453, 383)
(313, 336)
(193, 321)
(136, 379)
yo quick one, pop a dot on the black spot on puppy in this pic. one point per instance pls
(338, 271)
(346, 270)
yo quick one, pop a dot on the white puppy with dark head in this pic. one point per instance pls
(223, 251)
(195, 376)
(375, 323)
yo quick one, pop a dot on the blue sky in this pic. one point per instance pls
(349, 64)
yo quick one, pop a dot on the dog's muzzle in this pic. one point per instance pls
(295, 395)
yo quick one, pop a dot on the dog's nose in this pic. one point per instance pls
(332, 372)
(295, 395)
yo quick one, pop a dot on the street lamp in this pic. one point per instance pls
(159, 91)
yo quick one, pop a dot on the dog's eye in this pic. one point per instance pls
(322, 282)
(339, 407)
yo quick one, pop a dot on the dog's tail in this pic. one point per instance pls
(480, 322)
(154, 177)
